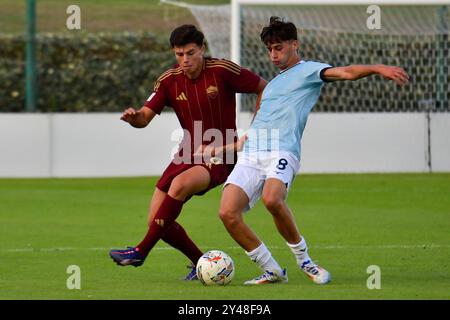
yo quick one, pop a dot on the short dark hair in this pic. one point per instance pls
(186, 34)
(278, 31)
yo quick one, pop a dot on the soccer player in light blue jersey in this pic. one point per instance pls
(271, 155)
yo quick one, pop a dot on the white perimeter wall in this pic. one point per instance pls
(100, 145)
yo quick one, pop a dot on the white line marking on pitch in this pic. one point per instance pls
(330, 247)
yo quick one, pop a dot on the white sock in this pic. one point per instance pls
(264, 259)
(300, 250)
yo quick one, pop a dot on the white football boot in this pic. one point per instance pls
(315, 272)
(269, 277)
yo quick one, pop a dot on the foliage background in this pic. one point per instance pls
(111, 63)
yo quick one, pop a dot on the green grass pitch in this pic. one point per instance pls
(99, 15)
(399, 222)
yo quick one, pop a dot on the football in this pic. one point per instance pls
(215, 267)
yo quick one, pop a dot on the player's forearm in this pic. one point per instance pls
(222, 150)
(355, 72)
(232, 147)
(351, 72)
(139, 122)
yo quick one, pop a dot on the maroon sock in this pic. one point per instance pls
(167, 213)
(177, 237)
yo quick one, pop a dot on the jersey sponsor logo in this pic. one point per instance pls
(182, 97)
(212, 92)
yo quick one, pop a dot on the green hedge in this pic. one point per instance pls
(84, 72)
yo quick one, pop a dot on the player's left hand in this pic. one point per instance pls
(393, 73)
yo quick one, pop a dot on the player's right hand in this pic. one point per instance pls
(396, 74)
(129, 114)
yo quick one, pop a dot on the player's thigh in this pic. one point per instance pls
(155, 203)
(249, 180)
(189, 182)
(280, 172)
(234, 201)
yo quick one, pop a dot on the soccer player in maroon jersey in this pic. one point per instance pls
(202, 92)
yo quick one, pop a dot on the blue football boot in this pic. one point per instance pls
(192, 274)
(129, 256)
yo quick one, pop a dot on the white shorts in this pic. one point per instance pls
(253, 169)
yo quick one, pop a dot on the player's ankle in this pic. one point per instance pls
(300, 251)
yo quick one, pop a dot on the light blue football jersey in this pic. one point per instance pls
(285, 105)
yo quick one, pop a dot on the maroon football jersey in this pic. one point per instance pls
(207, 102)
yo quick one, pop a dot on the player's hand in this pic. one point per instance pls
(204, 149)
(207, 154)
(129, 115)
(393, 73)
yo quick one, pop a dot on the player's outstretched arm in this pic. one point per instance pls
(138, 118)
(355, 72)
(220, 151)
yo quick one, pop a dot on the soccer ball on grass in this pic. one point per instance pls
(215, 267)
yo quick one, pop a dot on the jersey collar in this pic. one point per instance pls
(300, 62)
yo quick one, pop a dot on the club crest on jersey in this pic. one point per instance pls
(212, 92)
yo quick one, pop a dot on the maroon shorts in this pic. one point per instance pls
(218, 173)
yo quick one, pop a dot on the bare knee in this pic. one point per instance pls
(273, 204)
(178, 189)
(229, 217)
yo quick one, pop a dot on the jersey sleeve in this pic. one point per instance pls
(158, 99)
(315, 71)
(240, 79)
